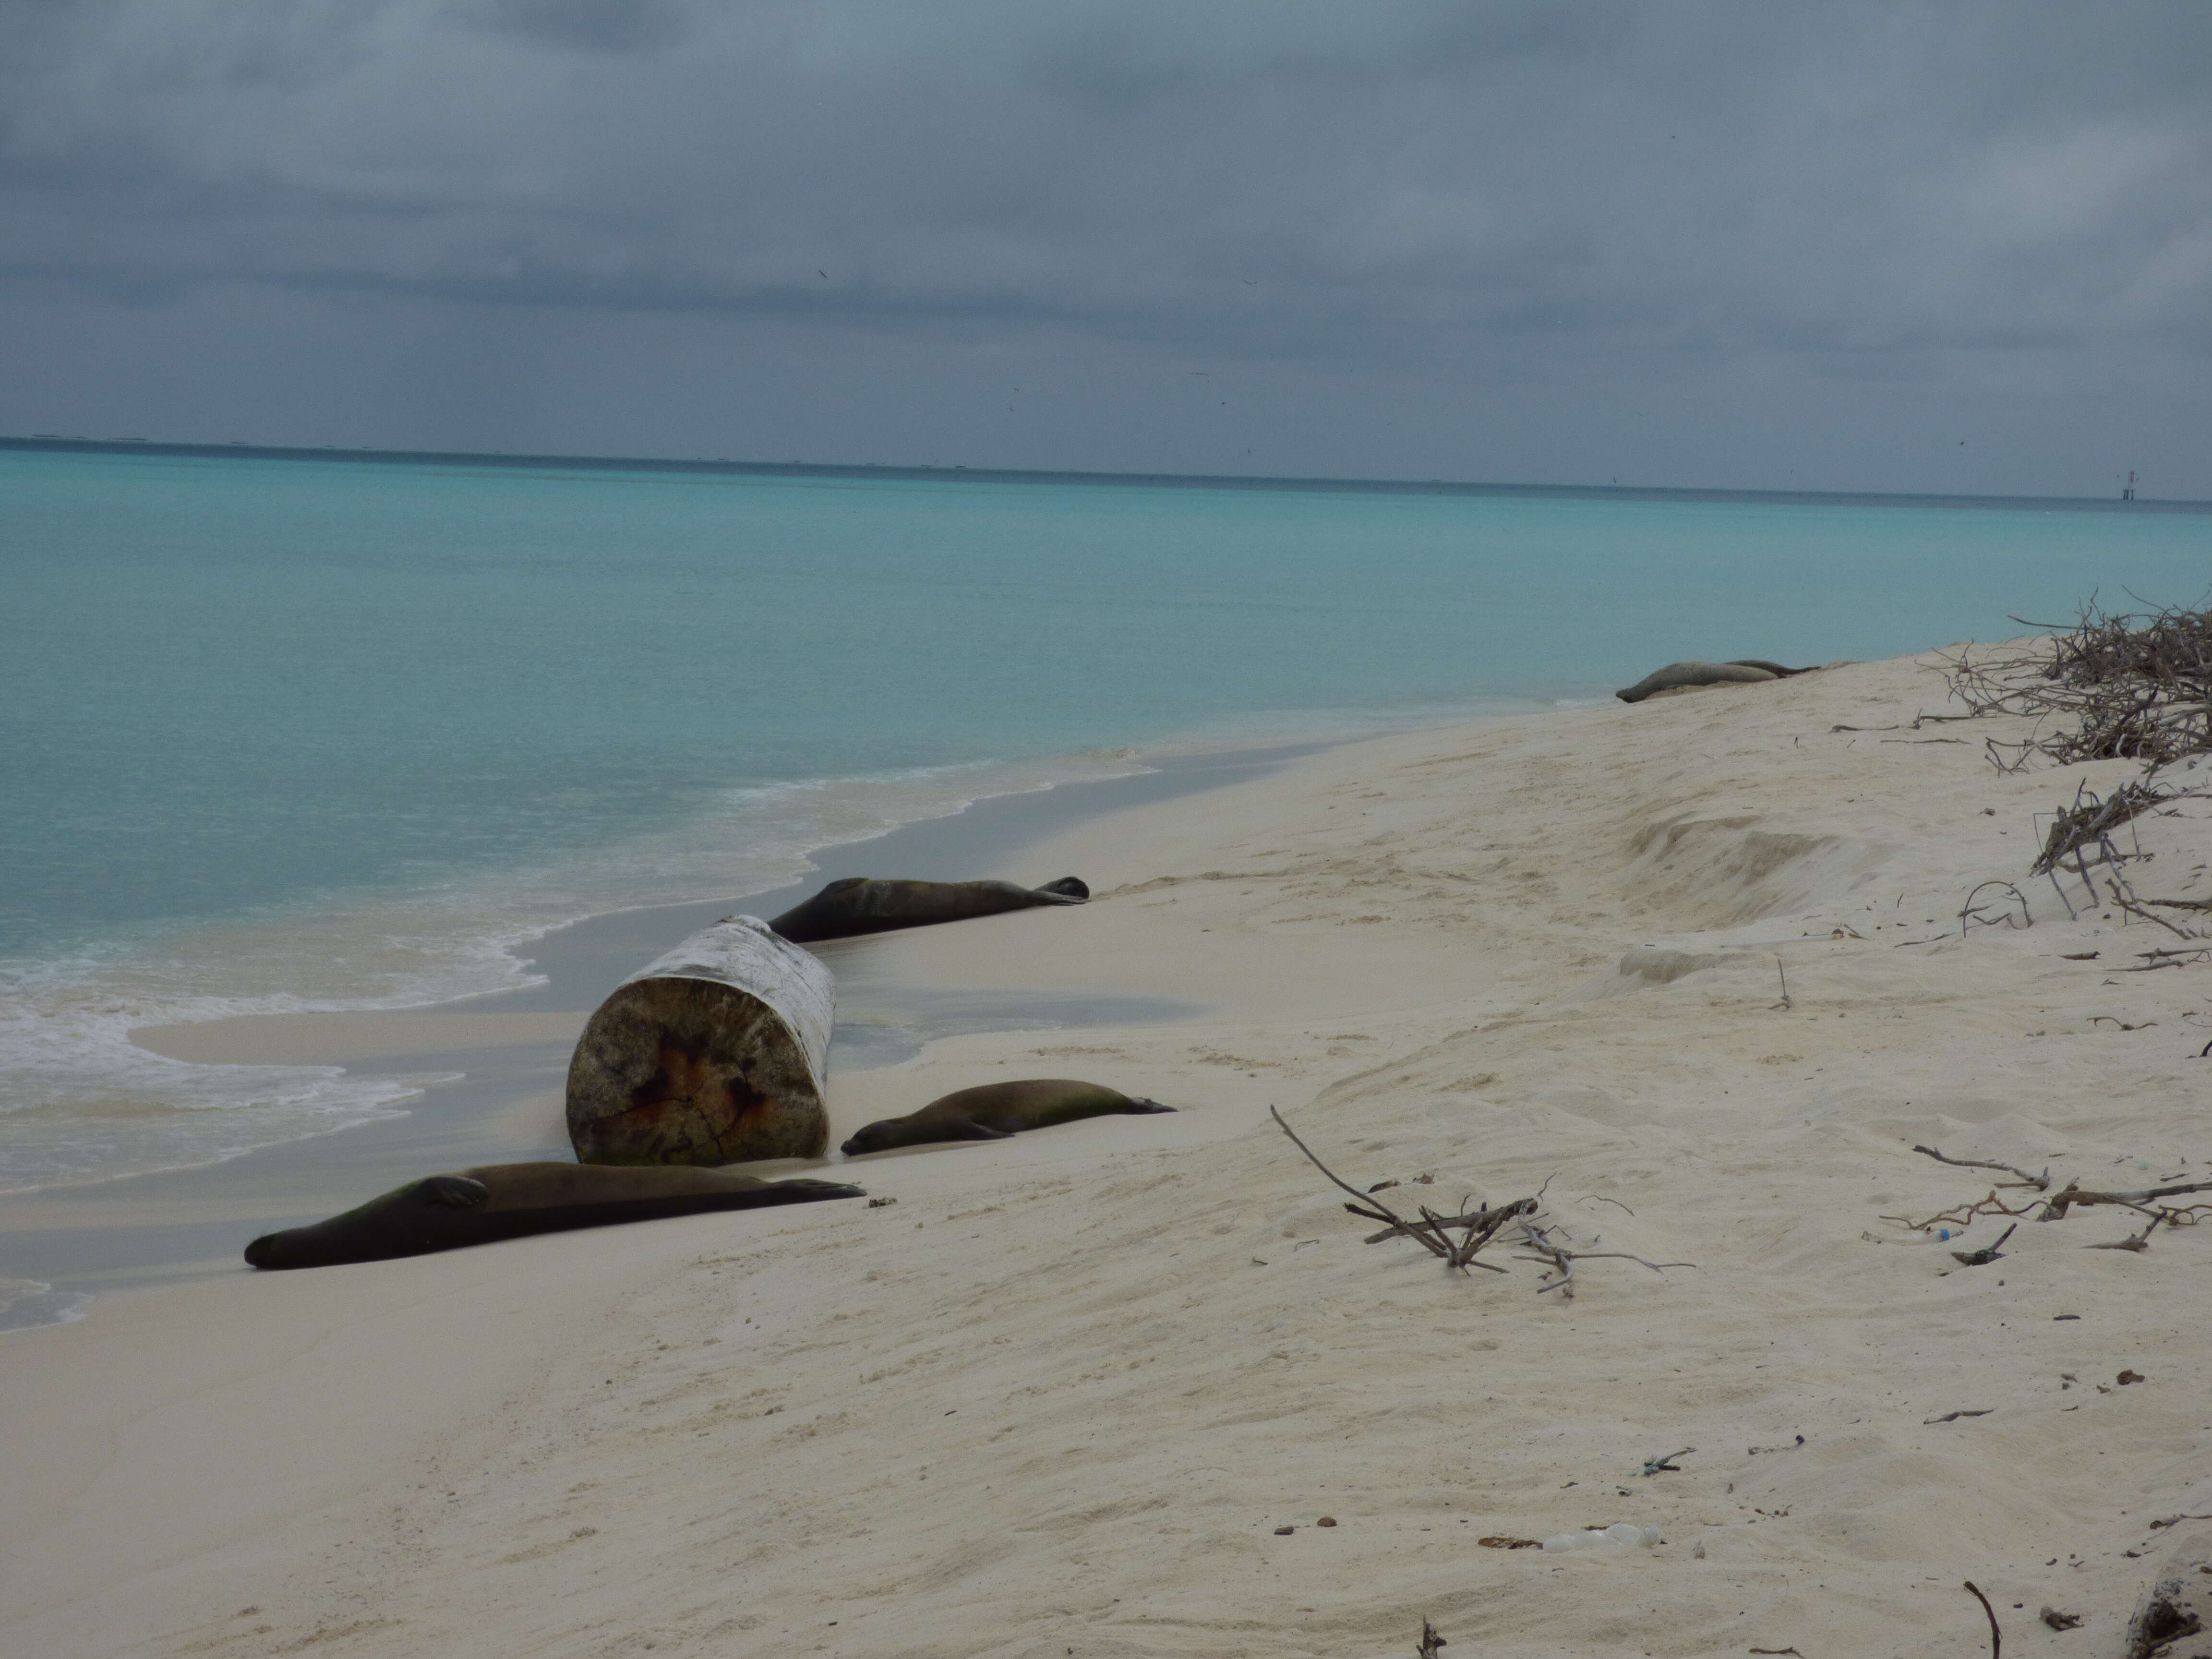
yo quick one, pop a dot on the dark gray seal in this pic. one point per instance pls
(991, 1111)
(1745, 672)
(512, 1200)
(859, 904)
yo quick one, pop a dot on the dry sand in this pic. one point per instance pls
(1058, 1399)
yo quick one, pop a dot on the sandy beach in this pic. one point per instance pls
(1694, 969)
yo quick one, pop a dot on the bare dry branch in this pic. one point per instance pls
(2041, 1183)
(1997, 1636)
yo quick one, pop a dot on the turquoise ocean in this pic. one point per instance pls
(285, 734)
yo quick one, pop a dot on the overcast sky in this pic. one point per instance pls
(1852, 245)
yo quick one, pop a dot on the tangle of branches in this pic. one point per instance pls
(2115, 685)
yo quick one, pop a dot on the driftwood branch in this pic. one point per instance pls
(1561, 1261)
(1428, 1231)
(2041, 1183)
(2054, 1206)
(2055, 1209)
(1971, 911)
(1997, 1636)
(2136, 1242)
(1964, 1215)
(1476, 1227)
(2126, 902)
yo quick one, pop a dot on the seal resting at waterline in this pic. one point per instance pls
(512, 1200)
(861, 904)
(991, 1111)
(1747, 671)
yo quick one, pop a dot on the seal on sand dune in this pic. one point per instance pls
(511, 1200)
(858, 904)
(993, 1111)
(1746, 671)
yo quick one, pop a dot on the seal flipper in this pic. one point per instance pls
(1073, 887)
(1138, 1103)
(454, 1191)
(805, 1189)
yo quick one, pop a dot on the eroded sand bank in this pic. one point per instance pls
(1060, 1396)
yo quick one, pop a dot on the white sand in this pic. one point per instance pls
(1057, 1400)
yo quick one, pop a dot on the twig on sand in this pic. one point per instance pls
(1784, 972)
(2056, 1208)
(1477, 1227)
(1561, 1261)
(1971, 911)
(1964, 1215)
(2041, 1183)
(1429, 1641)
(1429, 1231)
(1997, 1636)
(2090, 821)
(2136, 1242)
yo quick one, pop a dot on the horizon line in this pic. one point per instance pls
(54, 443)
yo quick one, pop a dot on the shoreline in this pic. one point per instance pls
(1093, 1389)
(487, 1066)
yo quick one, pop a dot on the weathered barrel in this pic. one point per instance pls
(714, 1054)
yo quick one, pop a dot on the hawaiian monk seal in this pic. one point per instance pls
(510, 1201)
(991, 1111)
(1747, 671)
(860, 905)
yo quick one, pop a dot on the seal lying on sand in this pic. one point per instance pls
(1747, 671)
(860, 905)
(994, 1111)
(509, 1200)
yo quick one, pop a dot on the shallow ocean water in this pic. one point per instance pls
(288, 734)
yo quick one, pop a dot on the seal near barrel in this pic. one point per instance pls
(513, 1200)
(991, 1111)
(1746, 671)
(713, 1054)
(863, 904)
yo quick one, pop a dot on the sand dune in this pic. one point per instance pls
(1058, 1398)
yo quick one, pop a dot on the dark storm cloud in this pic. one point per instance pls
(1558, 193)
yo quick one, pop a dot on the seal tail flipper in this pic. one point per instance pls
(803, 1189)
(1073, 887)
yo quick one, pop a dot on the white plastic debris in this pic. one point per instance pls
(1621, 1533)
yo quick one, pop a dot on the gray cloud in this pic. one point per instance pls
(1733, 207)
